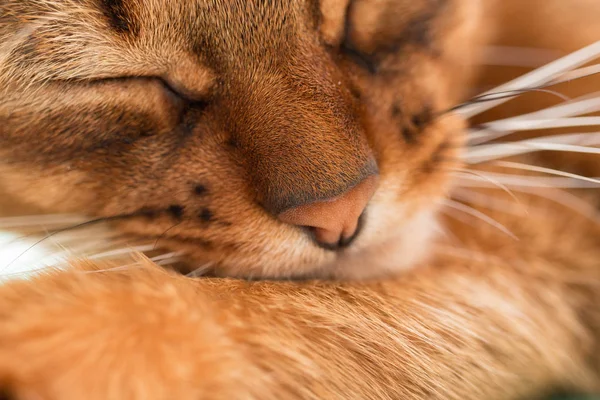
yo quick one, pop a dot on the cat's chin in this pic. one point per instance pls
(406, 248)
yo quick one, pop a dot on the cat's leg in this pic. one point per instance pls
(460, 330)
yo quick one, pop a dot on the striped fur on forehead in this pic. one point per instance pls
(93, 39)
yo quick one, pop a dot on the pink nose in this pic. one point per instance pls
(334, 221)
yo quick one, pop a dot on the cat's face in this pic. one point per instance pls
(209, 119)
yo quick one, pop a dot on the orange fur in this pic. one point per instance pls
(479, 316)
(510, 326)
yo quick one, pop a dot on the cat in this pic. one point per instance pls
(282, 140)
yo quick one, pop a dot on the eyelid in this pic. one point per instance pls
(184, 92)
(177, 93)
(360, 58)
(364, 60)
(193, 82)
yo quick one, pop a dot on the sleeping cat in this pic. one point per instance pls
(279, 139)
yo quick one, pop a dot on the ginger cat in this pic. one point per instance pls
(287, 140)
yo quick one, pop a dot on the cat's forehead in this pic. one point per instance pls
(93, 39)
(214, 22)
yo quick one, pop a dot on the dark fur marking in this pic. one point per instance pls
(186, 126)
(176, 210)
(419, 31)
(422, 119)
(147, 212)
(411, 130)
(315, 13)
(119, 17)
(206, 215)
(233, 143)
(200, 190)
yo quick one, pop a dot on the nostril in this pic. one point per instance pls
(334, 223)
(336, 243)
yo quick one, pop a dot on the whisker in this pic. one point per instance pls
(167, 259)
(562, 143)
(579, 106)
(487, 178)
(490, 202)
(464, 218)
(526, 125)
(506, 95)
(27, 221)
(478, 214)
(577, 74)
(201, 270)
(534, 168)
(120, 252)
(446, 233)
(83, 225)
(565, 199)
(537, 77)
(162, 235)
(514, 181)
(80, 249)
(115, 269)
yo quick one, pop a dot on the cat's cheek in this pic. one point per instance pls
(46, 188)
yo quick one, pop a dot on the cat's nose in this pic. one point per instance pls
(334, 221)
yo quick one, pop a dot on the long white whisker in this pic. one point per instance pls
(526, 125)
(579, 106)
(535, 168)
(167, 261)
(482, 176)
(80, 250)
(168, 256)
(514, 181)
(537, 77)
(478, 214)
(115, 269)
(490, 202)
(200, 270)
(573, 143)
(565, 199)
(39, 220)
(119, 252)
(577, 74)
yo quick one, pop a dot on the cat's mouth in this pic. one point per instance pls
(372, 255)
